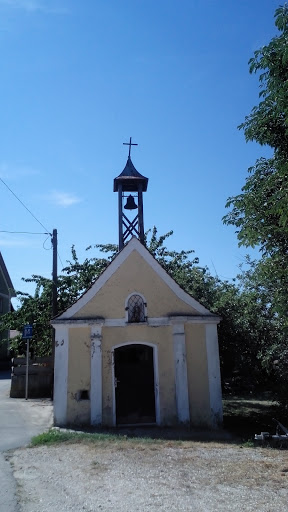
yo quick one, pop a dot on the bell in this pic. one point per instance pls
(130, 205)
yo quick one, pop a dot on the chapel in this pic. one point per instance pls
(136, 349)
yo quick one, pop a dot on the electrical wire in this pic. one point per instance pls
(28, 232)
(23, 232)
(24, 205)
(48, 248)
(60, 259)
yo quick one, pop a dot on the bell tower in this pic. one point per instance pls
(130, 185)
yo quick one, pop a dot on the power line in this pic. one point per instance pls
(23, 232)
(60, 259)
(32, 233)
(24, 205)
(29, 211)
(49, 248)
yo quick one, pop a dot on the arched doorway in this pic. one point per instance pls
(134, 384)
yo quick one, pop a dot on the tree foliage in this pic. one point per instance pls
(36, 309)
(267, 123)
(260, 212)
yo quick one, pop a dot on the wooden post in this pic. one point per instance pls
(120, 213)
(140, 215)
(54, 274)
(27, 369)
(54, 297)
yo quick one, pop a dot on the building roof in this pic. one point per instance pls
(130, 178)
(7, 277)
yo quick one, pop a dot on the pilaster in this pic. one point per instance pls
(181, 378)
(61, 374)
(96, 375)
(214, 379)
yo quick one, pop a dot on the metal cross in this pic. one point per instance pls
(129, 144)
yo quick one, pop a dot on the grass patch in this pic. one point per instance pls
(56, 436)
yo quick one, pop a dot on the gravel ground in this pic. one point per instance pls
(138, 476)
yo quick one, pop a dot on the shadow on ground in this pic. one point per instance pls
(243, 418)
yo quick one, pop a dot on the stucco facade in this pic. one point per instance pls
(111, 370)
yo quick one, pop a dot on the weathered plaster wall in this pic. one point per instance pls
(134, 275)
(160, 336)
(197, 368)
(79, 371)
(78, 411)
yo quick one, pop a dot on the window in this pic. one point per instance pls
(136, 309)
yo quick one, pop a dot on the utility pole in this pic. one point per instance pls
(54, 274)
(54, 294)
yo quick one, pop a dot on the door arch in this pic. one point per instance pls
(135, 384)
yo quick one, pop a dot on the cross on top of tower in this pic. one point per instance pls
(129, 144)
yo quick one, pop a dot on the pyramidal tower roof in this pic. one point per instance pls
(130, 178)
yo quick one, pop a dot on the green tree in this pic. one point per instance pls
(271, 326)
(260, 212)
(36, 309)
(247, 327)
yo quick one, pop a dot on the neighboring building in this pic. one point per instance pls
(6, 293)
(136, 349)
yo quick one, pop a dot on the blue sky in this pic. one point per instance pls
(79, 78)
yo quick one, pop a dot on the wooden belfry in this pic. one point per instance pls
(130, 184)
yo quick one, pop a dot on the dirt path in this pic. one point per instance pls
(126, 476)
